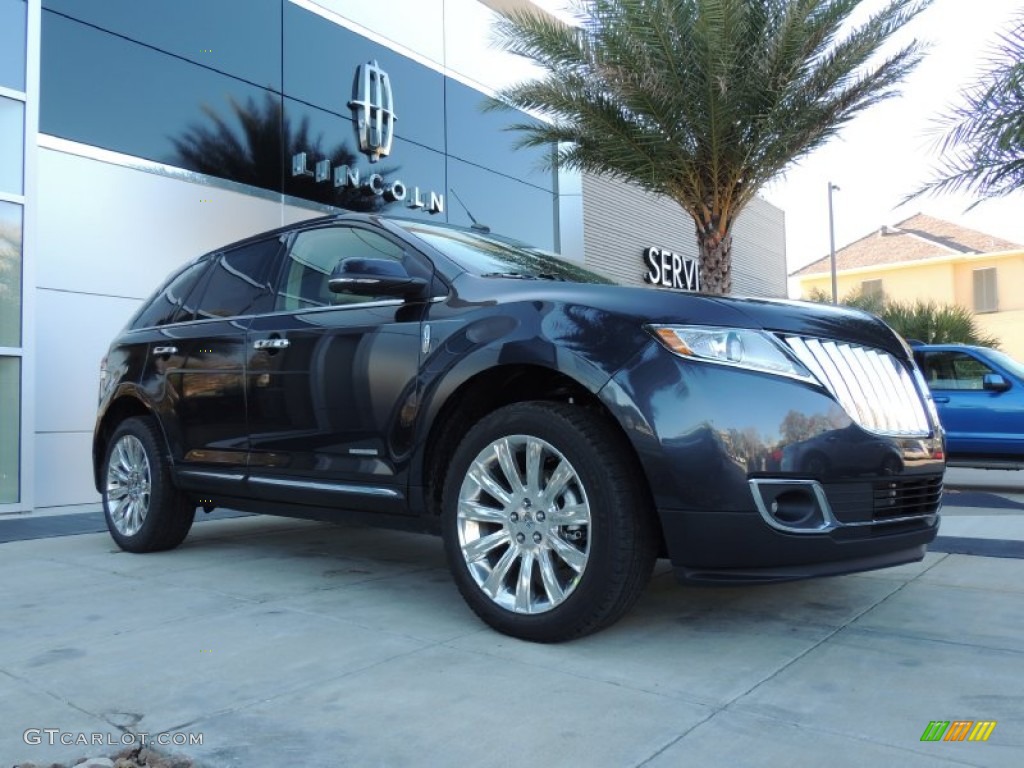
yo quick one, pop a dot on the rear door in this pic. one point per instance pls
(332, 379)
(201, 364)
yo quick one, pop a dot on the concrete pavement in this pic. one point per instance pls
(282, 642)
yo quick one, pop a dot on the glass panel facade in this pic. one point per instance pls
(12, 139)
(157, 107)
(482, 138)
(10, 274)
(487, 195)
(10, 429)
(13, 15)
(320, 61)
(324, 135)
(186, 114)
(239, 37)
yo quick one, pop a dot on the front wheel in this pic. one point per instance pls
(546, 521)
(144, 511)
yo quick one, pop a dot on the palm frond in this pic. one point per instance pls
(981, 136)
(702, 100)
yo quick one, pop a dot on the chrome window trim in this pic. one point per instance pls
(310, 310)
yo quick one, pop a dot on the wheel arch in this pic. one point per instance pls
(123, 406)
(495, 388)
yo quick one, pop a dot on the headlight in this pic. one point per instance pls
(730, 346)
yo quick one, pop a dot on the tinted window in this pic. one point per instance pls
(316, 253)
(954, 370)
(10, 434)
(12, 139)
(163, 306)
(237, 284)
(13, 14)
(10, 274)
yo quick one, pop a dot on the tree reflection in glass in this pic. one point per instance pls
(259, 152)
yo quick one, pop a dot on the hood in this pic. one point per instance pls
(651, 305)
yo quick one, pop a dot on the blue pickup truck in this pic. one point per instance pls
(979, 393)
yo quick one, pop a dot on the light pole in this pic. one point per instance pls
(832, 243)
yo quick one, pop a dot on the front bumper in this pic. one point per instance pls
(709, 437)
(720, 547)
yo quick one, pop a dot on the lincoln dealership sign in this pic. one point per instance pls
(667, 269)
(373, 112)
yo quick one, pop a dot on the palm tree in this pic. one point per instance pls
(701, 100)
(982, 136)
(924, 319)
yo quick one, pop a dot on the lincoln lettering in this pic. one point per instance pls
(671, 270)
(373, 184)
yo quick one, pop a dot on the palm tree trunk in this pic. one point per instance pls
(715, 263)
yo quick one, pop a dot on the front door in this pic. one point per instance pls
(332, 380)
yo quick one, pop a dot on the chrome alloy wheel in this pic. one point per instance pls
(524, 524)
(129, 484)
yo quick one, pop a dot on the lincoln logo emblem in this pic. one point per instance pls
(373, 107)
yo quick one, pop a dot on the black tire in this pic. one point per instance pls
(615, 550)
(158, 520)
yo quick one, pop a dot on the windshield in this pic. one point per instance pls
(490, 255)
(1017, 369)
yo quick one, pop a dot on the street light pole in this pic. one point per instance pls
(832, 243)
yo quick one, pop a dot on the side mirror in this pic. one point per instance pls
(994, 382)
(375, 277)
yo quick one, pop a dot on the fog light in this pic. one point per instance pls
(794, 506)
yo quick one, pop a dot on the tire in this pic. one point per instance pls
(144, 511)
(538, 566)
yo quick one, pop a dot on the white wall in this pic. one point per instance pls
(108, 234)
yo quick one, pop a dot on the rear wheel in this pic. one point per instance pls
(547, 526)
(144, 511)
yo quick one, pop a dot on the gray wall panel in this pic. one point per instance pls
(620, 221)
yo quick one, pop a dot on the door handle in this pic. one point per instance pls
(271, 344)
(942, 399)
(161, 351)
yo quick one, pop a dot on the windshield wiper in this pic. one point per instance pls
(516, 275)
(523, 276)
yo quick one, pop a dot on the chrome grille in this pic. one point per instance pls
(873, 387)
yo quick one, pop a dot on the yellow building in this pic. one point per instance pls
(928, 258)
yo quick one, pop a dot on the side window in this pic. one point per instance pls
(313, 257)
(955, 370)
(163, 307)
(237, 284)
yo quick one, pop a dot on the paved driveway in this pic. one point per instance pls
(294, 643)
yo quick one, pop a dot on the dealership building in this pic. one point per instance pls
(138, 134)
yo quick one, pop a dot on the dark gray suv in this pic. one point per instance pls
(558, 431)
